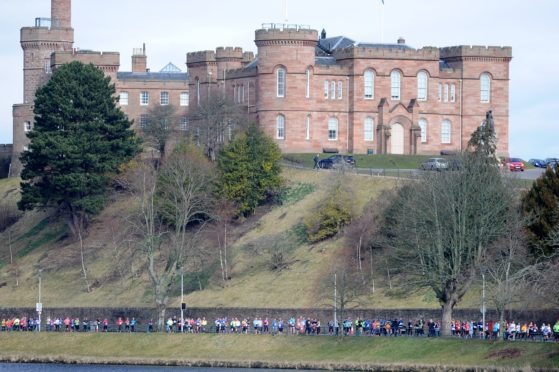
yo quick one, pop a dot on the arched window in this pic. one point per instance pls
(332, 129)
(280, 127)
(395, 81)
(445, 99)
(422, 86)
(308, 128)
(326, 89)
(485, 87)
(423, 126)
(340, 89)
(198, 91)
(369, 84)
(368, 129)
(440, 92)
(308, 85)
(280, 74)
(445, 131)
(333, 90)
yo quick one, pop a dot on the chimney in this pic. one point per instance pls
(61, 13)
(401, 40)
(139, 59)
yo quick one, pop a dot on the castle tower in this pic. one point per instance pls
(38, 44)
(202, 76)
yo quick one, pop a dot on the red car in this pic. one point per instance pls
(514, 164)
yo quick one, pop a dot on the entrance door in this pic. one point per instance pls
(397, 139)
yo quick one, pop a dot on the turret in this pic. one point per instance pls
(228, 59)
(202, 75)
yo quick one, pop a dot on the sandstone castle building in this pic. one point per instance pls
(308, 91)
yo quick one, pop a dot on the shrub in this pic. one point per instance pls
(328, 220)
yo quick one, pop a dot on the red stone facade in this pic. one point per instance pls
(407, 124)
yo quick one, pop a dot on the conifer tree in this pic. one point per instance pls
(79, 139)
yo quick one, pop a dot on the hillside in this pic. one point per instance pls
(117, 272)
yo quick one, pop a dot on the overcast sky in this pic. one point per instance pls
(171, 28)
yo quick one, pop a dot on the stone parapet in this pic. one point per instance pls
(462, 51)
(200, 57)
(271, 36)
(30, 35)
(425, 53)
(99, 59)
(222, 53)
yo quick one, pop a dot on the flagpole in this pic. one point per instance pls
(382, 22)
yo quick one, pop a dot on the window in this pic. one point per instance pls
(368, 129)
(453, 93)
(340, 89)
(183, 124)
(308, 86)
(280, 126)
(423, 126)
(25, 148)
(445, 97)
(143, 121)
(164, 98)
(445, 131)
(47, 67)
(422, 86)
(280, 82)
(144, 98)
(184, 99)
(27, 126)
(123, 98)
(440, 92)
(242, 93)
(369, 84)
(308, 128)
(326, 89)
(333, 90)
(332, 129)
(485, 87)
(197, 92)
(395, 79)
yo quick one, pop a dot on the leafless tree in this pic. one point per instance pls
(214, 123)
(224, 214)
(162, 123)
(443, 224)
(510, 269)
(174, 208)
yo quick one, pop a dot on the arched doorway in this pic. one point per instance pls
(397, 139)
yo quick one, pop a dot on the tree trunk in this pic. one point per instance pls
(225, 252)
(447, 319)
(161, 308)
(84, 270)
(501, 323)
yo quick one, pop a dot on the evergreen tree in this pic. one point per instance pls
(541, 207)
(249, 169)
(483, 142)
(79, 139)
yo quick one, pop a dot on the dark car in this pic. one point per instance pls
(337, 161)
(552, 162)
(538, 163)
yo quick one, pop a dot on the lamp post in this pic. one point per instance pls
(483, 270)
(182, 300)
(39, 306)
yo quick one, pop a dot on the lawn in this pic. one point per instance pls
(276, 351)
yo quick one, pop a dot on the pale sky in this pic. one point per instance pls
(171, 28)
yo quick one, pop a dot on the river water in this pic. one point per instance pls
(33, 367)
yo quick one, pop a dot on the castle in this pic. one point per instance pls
(309, 92)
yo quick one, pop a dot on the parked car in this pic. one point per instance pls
(538, 163)
(437, 164)
(337, 161)
(514, 165)
(552, 162)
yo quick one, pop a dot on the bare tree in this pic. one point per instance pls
(162, 123)
(443, 224)
(225, 212)
(509, 267)
(214, 123)
(174, 208)
(361, 234)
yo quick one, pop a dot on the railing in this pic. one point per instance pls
(284, 26)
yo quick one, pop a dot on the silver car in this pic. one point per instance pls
(437, 164)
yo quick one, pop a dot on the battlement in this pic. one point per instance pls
(229, 52)
(461, 51)
(388, 52)
(285, 33)
(200, 56)
(46, 35)
(86, 56)
(248, 57)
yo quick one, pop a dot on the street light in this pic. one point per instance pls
(483, 270)
(182, 300)
(39, 306)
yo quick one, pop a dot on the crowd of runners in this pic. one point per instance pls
(511, 330)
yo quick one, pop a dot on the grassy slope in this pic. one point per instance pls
(283, 350)
(118, 276)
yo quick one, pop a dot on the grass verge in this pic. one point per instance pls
(279, 351)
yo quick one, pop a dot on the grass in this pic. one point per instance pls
(47, 237)
(34, 230)
(297, 351)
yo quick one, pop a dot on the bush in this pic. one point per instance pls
(333, 214)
